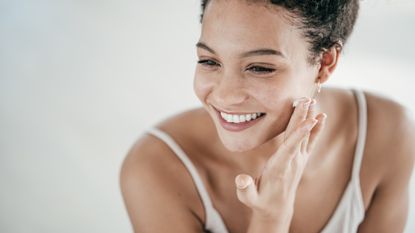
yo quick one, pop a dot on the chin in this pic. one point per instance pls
(239, 145)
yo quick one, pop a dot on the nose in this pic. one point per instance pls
(230, 90)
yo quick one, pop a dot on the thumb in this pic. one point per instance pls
(246, 189)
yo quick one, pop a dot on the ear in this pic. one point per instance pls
(328, 62)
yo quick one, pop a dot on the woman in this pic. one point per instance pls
(272, 150)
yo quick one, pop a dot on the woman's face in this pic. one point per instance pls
(231, 78)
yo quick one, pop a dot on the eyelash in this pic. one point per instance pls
(264, 70)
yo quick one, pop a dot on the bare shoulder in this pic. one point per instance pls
(188, 125)
(157, 190)
(190, 129)
(389, 157)
(391, 133)
(390, 136)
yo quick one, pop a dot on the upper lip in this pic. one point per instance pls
(234, 113)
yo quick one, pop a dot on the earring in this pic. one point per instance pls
(318, 87)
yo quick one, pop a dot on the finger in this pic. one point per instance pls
(298, 166)
(246, 190)
(312, 109)
(310, 115)
(289, 149)
(316, 132)
(293, 142)
(299, 114)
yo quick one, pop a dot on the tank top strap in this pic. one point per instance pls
(362, 131)
(213, 219)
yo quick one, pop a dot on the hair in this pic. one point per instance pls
(325, 23)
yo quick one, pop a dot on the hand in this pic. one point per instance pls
(272, 195)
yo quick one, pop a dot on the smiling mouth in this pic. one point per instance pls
(238, 122)
(237, 118)
(240, 117)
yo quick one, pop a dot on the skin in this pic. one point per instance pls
(156, 201)
(231, 87)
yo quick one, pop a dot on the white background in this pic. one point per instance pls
(81, 80)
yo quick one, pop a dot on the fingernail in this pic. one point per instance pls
(299, 100)
(242, 183)
(295, 103)
(314, 101)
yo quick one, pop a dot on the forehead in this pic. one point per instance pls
(240, 25)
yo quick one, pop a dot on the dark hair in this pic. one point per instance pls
(325, 23)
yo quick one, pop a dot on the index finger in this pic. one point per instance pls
(291, 146)
(299, 115)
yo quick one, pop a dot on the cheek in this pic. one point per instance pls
(277, 102)
(202, 85)
(273, 95)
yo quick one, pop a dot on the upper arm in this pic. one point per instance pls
(154, 201)
(389, 206)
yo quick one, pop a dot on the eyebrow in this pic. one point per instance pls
(256, 52)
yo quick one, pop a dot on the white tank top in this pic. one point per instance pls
(349, 212)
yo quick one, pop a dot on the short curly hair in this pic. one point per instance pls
(325, 23)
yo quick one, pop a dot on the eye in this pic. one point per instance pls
(261, 70)
(208, 62)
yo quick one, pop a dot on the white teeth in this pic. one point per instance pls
(239, 118)
(248, 117)
(223, 115)
(235, 118)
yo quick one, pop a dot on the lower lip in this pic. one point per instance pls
(236, 127)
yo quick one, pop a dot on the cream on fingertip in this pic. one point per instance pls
(296, 102)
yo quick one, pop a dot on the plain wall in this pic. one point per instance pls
(81, 80)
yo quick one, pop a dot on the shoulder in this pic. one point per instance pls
(385, 111)
(390, 154)
(389, 147)
(156, 188)
(187, 124)
(390, 140)
(190, 129)
(391, 130)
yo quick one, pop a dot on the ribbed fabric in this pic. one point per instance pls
(350, 210)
